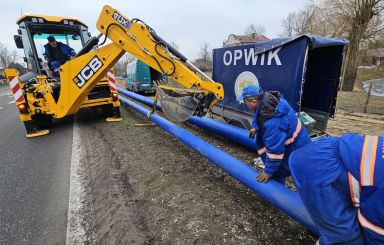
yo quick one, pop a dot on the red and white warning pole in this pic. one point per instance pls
(16, 88)
(112, 81)
(112, 84)
(14, 81)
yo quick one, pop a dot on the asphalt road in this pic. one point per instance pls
(34, 179)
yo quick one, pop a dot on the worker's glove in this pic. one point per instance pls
(252, 133)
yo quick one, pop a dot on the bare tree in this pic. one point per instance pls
(204, 58)
(7, 57)
(174, 45)
(205, 52)
(365, 22)
(121, 66)
(356, 20)
(303, 21)
(288, 25)
(254, 29)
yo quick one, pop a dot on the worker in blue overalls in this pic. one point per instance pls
(277, 129)
(57, 53)
(341, 182)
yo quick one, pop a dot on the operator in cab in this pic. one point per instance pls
(341, 183)
(277, 129)
(57, 53)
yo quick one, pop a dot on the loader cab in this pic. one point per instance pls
(32, 36)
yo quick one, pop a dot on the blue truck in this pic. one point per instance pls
(307, 70)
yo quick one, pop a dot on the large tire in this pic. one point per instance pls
(236, 123)
(240, 122)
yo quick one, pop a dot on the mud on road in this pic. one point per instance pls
(146, 187)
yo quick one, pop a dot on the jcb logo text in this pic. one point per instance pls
(87, 72)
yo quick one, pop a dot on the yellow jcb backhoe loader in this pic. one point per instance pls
(82, 81)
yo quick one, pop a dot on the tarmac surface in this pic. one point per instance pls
(34, 179)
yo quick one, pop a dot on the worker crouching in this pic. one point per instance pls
(341, 182)
(277, 129)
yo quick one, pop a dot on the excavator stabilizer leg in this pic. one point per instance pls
(34, 130)
(37, 133)
(114, 115)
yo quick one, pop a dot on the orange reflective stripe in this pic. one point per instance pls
(354, 190)
(368, 159)
(275, 156)
(297, 131)
(366, 224)
(261, 151)
(362, 158)
(289, 141)
(373, 159)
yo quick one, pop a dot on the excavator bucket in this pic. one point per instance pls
(178, 104)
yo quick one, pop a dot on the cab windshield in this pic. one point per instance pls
(72, 40)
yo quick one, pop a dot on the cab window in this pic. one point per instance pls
(73, 41)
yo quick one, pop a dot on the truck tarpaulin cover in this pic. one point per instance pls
(308, 65)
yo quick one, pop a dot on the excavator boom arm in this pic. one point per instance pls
(132, 36)
(138, 39)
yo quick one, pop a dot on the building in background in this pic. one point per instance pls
(234, 40)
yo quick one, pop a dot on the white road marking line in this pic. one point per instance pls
(10, 96)
(75, 231)
(11, 102)
(1, 108)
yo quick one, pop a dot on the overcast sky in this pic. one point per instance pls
(188, 23)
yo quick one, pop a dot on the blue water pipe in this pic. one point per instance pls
(280, 196)
(233, 133)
